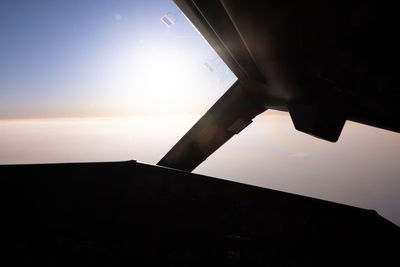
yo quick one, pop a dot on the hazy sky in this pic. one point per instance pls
(77, 66)
(361, 169)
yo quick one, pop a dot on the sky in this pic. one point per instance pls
(91, 80)
(103, 58)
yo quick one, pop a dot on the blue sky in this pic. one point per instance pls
(81, 58)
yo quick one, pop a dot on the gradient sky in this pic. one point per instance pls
(101, 58)
(93, 80)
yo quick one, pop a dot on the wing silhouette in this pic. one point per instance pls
(324, 62)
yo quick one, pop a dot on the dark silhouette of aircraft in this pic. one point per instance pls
(324, 62)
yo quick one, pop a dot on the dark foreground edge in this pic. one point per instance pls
(126, 213)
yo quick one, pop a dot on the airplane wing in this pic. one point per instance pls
(324, 62)
(228, 116)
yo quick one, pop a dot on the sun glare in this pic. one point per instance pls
(157, 76)
(161, 71)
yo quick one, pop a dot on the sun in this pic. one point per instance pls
(161, 75)
(160, 79)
